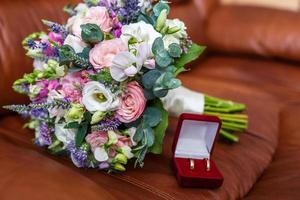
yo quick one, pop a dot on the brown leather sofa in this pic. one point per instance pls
(252, 58)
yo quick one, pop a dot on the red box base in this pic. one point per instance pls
(198, 177)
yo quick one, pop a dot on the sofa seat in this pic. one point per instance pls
(281, 179)
(241, 164)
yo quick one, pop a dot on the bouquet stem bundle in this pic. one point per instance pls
(229, 113)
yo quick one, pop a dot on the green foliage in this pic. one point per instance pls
(82, 128)
(160, 129)
(146, 18)
(68, 56)
(158, 45)
(91, 33)
(152, 116)
(193, 53)
(163, 59)
(175, 50)
(149, 78)
(159, 7)
(103, 76)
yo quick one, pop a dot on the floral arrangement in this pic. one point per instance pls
(98, 80)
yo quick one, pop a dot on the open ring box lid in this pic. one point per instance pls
(194, 139)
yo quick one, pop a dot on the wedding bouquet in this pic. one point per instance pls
(98, 81)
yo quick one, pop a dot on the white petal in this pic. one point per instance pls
(124, 59)
(131, 71)
(100, 154)
(117, 73)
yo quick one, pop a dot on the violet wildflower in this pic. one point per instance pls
(44, 134)
(79, 156)
(130, 11)
(39, 113)
(106, 125)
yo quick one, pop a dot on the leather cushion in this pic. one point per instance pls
(241, 164)
(254, 30)
(282, 179)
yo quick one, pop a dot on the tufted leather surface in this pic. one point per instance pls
(261, 31)
(28, 172)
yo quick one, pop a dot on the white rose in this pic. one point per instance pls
(64, 135)
(75, 42)
(96, 97)
(139, 32)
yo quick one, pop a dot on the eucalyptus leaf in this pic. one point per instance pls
(160, 129)
(149, 79)
(146, 18)
(163, 59)
(149, 136)
(160, 7)
(138, 136)
(152, 116)
(158, 45)
(149, 94)
(173, 83)
(91, 33)
(160, 92)
(175, 50)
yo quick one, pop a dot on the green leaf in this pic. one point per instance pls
(173, 83)
(160, 7)
(163, 59)
(149, 136)
(103, 75)
(65, 54)
(146, 18)
(138, 136)
(82, 131)
(150, 78)
(72, 125)
(193, 53)
(158, 45)
(149, 94)
(160, 92)
(175, 50)
(160, 129)
(152, 116)
(91, 33)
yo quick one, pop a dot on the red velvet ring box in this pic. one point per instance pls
(194, 139)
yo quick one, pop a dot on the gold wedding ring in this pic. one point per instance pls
(208, 167)
(192, 164)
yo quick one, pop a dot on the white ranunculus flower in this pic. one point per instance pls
(100, 154)
(95, 97)
(75, 42)
(139, 32)
(64, 135)
(178, 33)
(81, 11)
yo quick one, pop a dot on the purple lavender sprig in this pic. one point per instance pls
(45, 132)
(130, 11)
(78, 156)
(107, 125)
(56, 28)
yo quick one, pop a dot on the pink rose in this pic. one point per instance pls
(103, 53)
(95, 15)
(71, 85)
(100, 16)
(96, 139)
(133, 103)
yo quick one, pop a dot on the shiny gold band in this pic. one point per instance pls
(192, 164)
(208, 167)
